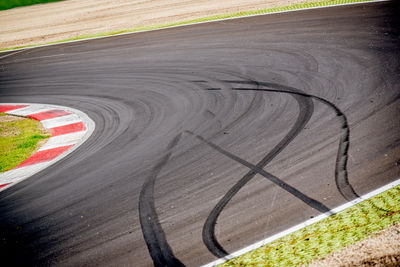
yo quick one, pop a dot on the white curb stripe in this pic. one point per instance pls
(28, 110)
(304, 224)
(63, 140)
(61, 121)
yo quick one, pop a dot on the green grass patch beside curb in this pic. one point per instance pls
(19, 138)
(205, 19)
(317, 240)
(8, 4)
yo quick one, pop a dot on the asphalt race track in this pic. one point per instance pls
(208, 137)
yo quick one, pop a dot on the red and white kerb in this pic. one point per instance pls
(68, 129)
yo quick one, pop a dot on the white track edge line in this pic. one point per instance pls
(304, 224)
(90, 126)
(189, 24)
(19, 50)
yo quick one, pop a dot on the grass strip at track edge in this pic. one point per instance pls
(293, 7)
(328, 235)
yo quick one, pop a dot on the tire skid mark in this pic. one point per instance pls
(341, 176)
(208, 233)
(306, 108)
(159, 249)
(306, 199)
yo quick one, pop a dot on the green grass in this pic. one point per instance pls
(317, 240)
(205, 19)
(18, 140)
(8, 4)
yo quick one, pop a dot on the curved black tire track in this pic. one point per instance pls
(153, 234)
(306, 108)
(159, 249)
(305, 112)
(290, 189)
(341, 175)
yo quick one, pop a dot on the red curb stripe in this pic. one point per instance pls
(5, 108)
(3, 185)
(44, 155)
(48, 114)
(65, 129)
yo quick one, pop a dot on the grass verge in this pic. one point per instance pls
(317, 240)
(204, 19)
(19, 138)
(8, 4)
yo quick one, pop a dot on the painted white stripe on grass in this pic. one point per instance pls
(61, 121)
(304, 224)
(195, 23)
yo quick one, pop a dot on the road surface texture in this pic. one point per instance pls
(208, 137)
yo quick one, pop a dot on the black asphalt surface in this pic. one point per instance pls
(208, 137)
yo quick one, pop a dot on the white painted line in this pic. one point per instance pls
(304, 224)
(190, 24)
(11, 54)
(60, 121)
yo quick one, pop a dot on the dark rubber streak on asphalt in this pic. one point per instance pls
(306, 108)
(308, 200)
(341, 176)
(159, 250)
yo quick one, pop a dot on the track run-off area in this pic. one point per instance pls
(208, 137)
